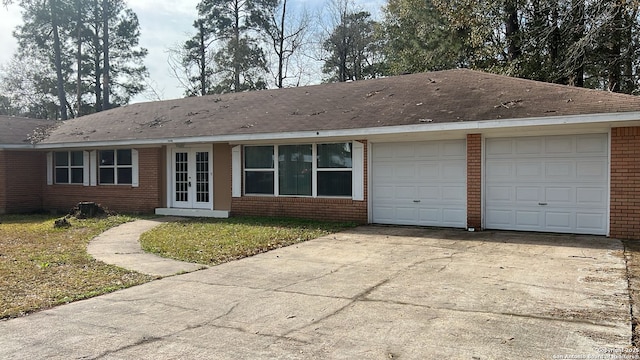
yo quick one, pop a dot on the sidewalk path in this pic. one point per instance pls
(120, 246)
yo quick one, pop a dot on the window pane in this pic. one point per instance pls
(77, 176)
(77, 158)
(334, 155)
(334, 183)
(62, 158)
(295, 169)
(107, 176)
(62, 176)
(124, 175)
(106, 157)
(258, 182)
(124, 157)
(258, 157)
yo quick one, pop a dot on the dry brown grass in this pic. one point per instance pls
(41, 266)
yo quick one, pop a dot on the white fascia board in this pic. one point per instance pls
(17, 147)
(468, 126)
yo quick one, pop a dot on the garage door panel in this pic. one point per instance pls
(500, 219)
(586, 196)
(558, 146)
(406, 214)
(558, 220)
(499, 147)
(407, 193)
(528, 194)
(528, 218)
(454, 170)
(499, 170)
(427, 170)
(529, 170)
(454, 193)
(427, 150)
(560, 195)
(429, 193)
(591, 221)
(456, 149)
(384, 192)
(452, 217)
(528, 146)
(592, 144)
(427, 178)
(594, 170)
(383, 172)
(569, 195)
(560, 170)
(429, 216)
(404, 171)
(499, 193)
(384, 213)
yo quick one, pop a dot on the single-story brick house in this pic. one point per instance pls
(456, 148)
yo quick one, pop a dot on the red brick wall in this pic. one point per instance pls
(625, 183)
(308, 208)
(22, 175)
(474, 181)
(121, 198)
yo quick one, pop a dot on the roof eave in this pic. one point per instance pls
(606, 119)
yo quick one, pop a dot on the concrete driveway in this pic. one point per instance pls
(372, 292)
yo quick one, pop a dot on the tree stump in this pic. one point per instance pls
(88, 209)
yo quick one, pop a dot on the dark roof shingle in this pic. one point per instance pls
(22, 131)
(427, 98)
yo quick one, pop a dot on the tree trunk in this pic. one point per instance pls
(79, 58)
(236, 50)
(512, 28)
(202, 55)
(105, 41)
(281, 46)
(615, 50)
(577, 9)
(97, 87)
(58, 59)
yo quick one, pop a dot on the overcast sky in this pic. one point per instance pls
(164, 24)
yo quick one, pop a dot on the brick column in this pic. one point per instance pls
(625, 183)
(474, 181)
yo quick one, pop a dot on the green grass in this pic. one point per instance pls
(215, 241)
(41, 266)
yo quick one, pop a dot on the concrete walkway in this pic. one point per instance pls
(120, 246)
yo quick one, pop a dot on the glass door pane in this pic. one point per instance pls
(202, 177)
(182, 177)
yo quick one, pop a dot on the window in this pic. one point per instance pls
(259, 170)
(295, 169)
(334, 169)
(302, 170)
(69, 167)
(115, 167)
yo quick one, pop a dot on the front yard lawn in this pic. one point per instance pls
(42, 266)
(215, 241)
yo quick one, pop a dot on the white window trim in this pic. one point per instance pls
(357, 172)
(51, 168)
(236, 171)
(116, 166)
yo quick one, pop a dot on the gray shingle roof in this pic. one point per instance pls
(427, 98)
(22, 131)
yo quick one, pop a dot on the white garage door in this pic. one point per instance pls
(553, 183)
(421, 183)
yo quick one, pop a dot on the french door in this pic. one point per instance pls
(192, 175)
